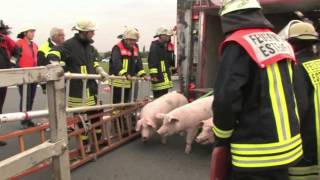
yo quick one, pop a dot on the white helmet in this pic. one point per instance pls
(85, 25)
(235, 5)
(131, 33)
(27, 27)
(284, 33)
(303, 31)
(162, 31)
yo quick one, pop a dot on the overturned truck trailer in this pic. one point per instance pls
(199, 35)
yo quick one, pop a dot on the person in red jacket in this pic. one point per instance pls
(27, 59)
(8, 49)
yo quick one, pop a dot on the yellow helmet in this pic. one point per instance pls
(85, 25)
(131, 33)
(228, 6)
(303, 31)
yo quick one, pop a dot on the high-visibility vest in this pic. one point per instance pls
(29, 53)
(266, 136)
(126, 56)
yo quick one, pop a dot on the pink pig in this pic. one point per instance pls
(148, 122)
(206, 134)
(186, 118)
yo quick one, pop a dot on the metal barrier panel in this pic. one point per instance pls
(56, 147)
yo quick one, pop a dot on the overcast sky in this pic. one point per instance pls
(111, 17)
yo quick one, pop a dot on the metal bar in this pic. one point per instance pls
(67, 91)
(95, 140)
(99, 107)
(132, 90)
(122, 94)
(111, 92)
(4, 118)
(118, 128)
(10, 117)
(24, 97)
(121, 124)
(97, 77)
(83, 154)
(27, 159)
(108, 133)
(84, 92)
(129, 127)
(99, 92)
(21, 144)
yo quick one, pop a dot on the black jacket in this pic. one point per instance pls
(305, 94)
(77, 56)
(116, 63)
(160, 60)
(244, 109)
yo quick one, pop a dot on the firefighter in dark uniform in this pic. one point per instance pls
(56, 39)
(77, 55)
(303, 36)
(160, 61)
(8, 49)
(255, 110)
(125, 61)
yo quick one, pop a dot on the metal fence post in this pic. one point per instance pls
(58, 126)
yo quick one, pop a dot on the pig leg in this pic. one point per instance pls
(191, 134)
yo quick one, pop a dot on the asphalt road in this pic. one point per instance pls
(134, 161)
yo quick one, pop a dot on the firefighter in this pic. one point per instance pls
(160, 61)
(303, 36)
(56, 39)
(77, 55)
(125, 61)
(8, 49)
(254, 107)
(27, 59)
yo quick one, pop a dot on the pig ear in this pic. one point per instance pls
(139, 125)
(173, 120)
(151, 124)
(160, 116)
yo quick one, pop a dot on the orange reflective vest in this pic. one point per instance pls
(29, 53)
(126, 52)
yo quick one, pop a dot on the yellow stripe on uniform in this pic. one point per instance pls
(57, 53)
(141, 72)
(270, 148)
(163, 66)
(278, 102)
(222, 133)
(153, 71)
(267, 161)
